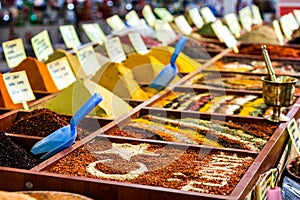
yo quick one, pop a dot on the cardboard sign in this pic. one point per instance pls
(195, 17)
(183, 25)
(138, 43)
(132, 18)
(88, 60)
(61, 73)
(18, 88)
(293, 22)
(278, 32)
(115, 50)
(164, 14)
(233, 24)
(246, 18)
(94, 32)
(164, 33)
(14, 52)
(294, 133)
(207, 15)
(257, 19)
(285, 25)
(42, 46)
(148, 15)
(69, 36)
(116, 23)
(297, 15)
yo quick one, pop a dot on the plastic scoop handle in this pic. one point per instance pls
(268, 63)
(178, 48)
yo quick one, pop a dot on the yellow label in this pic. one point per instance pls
(225, 35)
(183, 25)
(292, 21)
(195, 17)
(115, 50)
(257, 19)
(14, 52)
(132, 18)
(297, 15)
(88, 60)
(294, 133)
(207, 15)
(69, 36)
(148, 15)
(138, 43)
(61, 73)
(164, 14)
(164, 33)
(94, 32)
(233, 24)
(246, 18)
(116, 23)
(278, 32)
(285, 25)
(18, 87)
(42, 46)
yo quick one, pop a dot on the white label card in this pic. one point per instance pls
(164, 14)
(246, 18)
(294, 133)
(94, 32)
(293, 22)
(138, 43)
(233, 24)
(285, 25)
(115, 50)
(183, 25)
(195, 17)
(148, 15)
(88, 60)
(61, 73)
(14, 52)
(257, 19)
(116, 23)
(69, 36)
(132, 18)
(278, 32)
(42, 46)
(164, 32)
(297, 15)
(18, 87)
(207, 15)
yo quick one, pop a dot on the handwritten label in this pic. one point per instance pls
(297, 15)
(42, 46)
(285, 25)
(61, 73)
(14, 52)
(116, 23)
(278, 32)
(265, 182)
(246, 18)
(233, 24)
(195, 17)
(207, 15)
(88, 60)
(115, 50)
(294, 133)
(18, 87)
(183, 25)
(164, 32)
(164, 14)
(148, 15)
(69, 36)
(94, 32)
(138, 43)
(132, 18)
(293, 22)
(257, 19)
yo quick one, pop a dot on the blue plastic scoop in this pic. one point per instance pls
(168, 73)
(65, 136)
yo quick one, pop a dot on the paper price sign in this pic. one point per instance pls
(297, 15)
(42, 46)
(207, 15)
(293, 22)
(164, 32)
(94, 32)
(183, 25)
(148, 15)
(115, 50)
(164, 14)
(14, 52)
(18, 87)
(138, 43)
(132, 18)
(233, 24)
(195, 17)
(88, 60)
(116, 23)
(265, 182)
(278, 32)
(225, 35)
(257, 19)
(294, 133)
(246, 18)
(285, 25)
(61, 73)
(69, 36)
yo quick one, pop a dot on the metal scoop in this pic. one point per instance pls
(168, 73)
(65, 136)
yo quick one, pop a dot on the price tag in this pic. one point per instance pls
(265, 182)
(293, 22)
(14, 52)
(278, 32)
(61, 73)
(164, 32)
(88, 60)
(285, 25)
(207, 15)
(115, 50)
(164, 14)
(94, 32)
(297, 15)
(42, 46)
(69, 36)
(116, 23)
(294, 133)
(183, 25)
(18, 87)
(132, 18)
(246, 18)
(195, 17)
(257, 19)
(138, 43)
(233, 24)
(148, 15)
